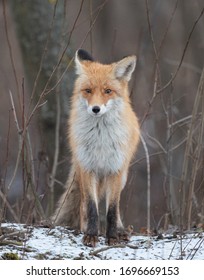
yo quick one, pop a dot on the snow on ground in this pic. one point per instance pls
(29, 242)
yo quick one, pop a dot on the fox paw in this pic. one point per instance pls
(112, 241)
(90, 240)
(121, 238)
(123, 235)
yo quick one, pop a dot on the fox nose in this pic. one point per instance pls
(96, 109)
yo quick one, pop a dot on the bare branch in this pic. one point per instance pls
(183, 54)
(10, 50)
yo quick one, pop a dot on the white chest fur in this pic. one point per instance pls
(101, 141)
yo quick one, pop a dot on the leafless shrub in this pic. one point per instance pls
(174, 155)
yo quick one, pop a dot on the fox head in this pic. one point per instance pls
(100, 85)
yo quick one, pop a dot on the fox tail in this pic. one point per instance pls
(68, 208)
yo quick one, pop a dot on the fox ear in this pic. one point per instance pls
(80, 56)
(125, 67)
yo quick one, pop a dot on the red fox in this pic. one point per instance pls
(103, 136)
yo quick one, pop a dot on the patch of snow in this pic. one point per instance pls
(61, 243)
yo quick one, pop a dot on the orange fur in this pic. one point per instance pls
(103, 137)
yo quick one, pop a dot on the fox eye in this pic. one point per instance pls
(87, 90)
(108, 91)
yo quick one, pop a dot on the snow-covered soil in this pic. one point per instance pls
(19, 241)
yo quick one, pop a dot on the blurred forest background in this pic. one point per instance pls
(38, 40)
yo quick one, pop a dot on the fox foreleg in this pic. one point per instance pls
(114, 230)
(89, 210)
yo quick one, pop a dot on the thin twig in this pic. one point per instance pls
(14, 113)
(198, 245)
(148, 183)
(20, 137)
(168, 26)
(185, 169)
(56, 153)
(38, 204)
(197, 153)
(5, 201)
(11, 242)
(43, 54)
(10, 50)
(183, 54)
(10, 234)
(45, 91)
(100, 250)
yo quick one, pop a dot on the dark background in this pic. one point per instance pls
(38, 40)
